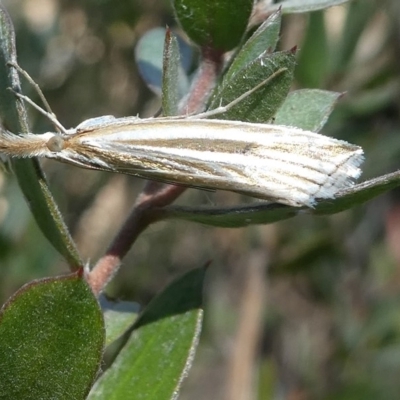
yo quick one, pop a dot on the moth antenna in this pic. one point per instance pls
(227, 107)
(46, 111)
(49, 115)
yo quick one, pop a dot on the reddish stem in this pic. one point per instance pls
(141, 217)
(206, 78)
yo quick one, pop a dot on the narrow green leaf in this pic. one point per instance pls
(303, 6)
(232, 217)
(359, 194)
(8, 108)
(308, 109)
(267, 213)
(119, 316)
(149, 56)
(261, 105)
(51, 340)
(170, 84)
(219, 24)
(29, 174)
(263, 39)
(160, 351)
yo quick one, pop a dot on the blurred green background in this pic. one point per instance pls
(308, 308)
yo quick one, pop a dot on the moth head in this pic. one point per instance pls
(55, 143)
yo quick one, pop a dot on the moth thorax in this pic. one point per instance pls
(55, 143)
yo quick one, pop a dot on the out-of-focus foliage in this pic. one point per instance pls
(309, 306)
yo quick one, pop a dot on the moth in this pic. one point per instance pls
(272, 162)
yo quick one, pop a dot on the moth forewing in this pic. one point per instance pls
(271, 162)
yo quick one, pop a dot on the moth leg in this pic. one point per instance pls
(46, 111)
(227, 107)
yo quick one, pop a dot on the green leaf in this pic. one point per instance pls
(276, 70)
(265, 38)
(170, 85)
(219, 24)
(359, 194)
(267, 213)
(231, 217)
(160, 351)
(149, 56)
(28, 172)
(7, 76)
(119, 316)
(307, 109)
(51, 340)
(302, 6)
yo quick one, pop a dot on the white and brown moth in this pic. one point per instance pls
(277, 163)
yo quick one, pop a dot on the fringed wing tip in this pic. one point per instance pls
(343, 177)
